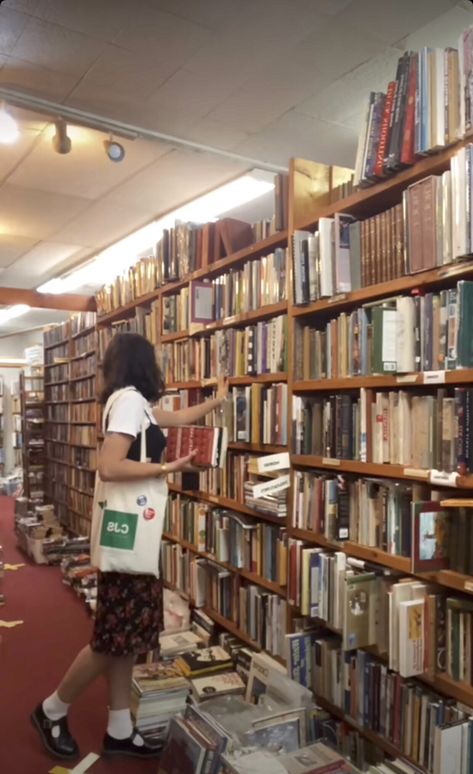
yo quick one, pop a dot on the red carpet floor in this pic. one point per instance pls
(33, 658)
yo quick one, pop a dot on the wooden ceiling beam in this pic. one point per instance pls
(67, 302)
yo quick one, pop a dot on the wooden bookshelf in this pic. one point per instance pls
(33, 432)
(72, 518)
(305, 209)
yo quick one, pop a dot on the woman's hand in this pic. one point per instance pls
(222, 388)
(181, 464)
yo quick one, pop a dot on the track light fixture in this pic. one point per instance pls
(114, 150)
(9, 132)
(61, 142)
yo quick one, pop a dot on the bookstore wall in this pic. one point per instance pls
(331, 523)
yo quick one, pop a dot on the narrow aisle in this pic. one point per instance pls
(34, 656)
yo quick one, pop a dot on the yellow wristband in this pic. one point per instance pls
(164, 468)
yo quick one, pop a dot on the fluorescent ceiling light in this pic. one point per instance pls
(117, 258)
(12, 361)
(9, 132)
(12, 312)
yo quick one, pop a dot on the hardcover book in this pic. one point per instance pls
(430, 541)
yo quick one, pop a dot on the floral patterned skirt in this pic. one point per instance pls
(129, 614)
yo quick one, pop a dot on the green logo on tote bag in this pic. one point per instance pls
(118, 530)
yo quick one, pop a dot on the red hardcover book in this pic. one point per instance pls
(408, 142)
(384, 133)
(209, 442)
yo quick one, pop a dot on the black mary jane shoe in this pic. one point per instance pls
(62, 744)
(112, 746)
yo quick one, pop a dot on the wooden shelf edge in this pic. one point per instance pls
(223, 502)
(378, 470)
(403, 381)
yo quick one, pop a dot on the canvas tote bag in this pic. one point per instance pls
(128, 517)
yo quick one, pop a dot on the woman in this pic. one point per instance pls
(129, 613)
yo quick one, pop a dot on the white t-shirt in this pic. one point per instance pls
(126, 414)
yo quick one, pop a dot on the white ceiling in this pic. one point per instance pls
(268, 79)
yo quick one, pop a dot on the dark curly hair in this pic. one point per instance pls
(130, 361)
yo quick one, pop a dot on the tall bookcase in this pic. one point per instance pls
(70, 365)
(32, 431)
(311, 197)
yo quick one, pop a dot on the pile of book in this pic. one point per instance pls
(34, 530)
(159, 692)
(317, 758)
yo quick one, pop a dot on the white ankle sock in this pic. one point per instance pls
(54, 708)
(119, 724)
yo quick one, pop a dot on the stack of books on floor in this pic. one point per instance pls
(159, 691)
(34, 528)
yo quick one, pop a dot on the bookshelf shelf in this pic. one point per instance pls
(377, 739)
(375, 198)
(56, 344)
(403, 381)
(83, 332)
(378, 470)
(246, 318)
(258, 580)
(422, 281)
(232, 380)
(257, 448)
(224, 502)
(231, 627)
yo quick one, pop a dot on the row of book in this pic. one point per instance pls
(230, 537)
(58, 432)
(433, 732)
(344, 254)
(405, 334)
(82, 480)
(188, 247)
(260, 282)
(423, 110)
(81, 322)
(84, 412)
(57, 393)
(430, 229)
(85, 389)
(258, 414)
(57, 373)
(381, 513)
(255, 349)
(57, 353)
(83, 345)
(56, 334)
(429, 432)
(84, 368)
(82, 435)
(80, 503)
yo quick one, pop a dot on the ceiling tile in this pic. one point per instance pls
(185, 97)
(168, 37)
(122, 72)
(12, 246)
(337, 49)
(442, 31)
(86, 171)
(25, 6)
(391, 21)
(34, 79)
(296, 134)
(102, 19)
(211, 13)
(252, 108)
(186, 174)
(209, 131)
(12, 24)
(38, 214)
(11, 155)
(57, 48)
(41, 263)
(36, 318)
(103, 223)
